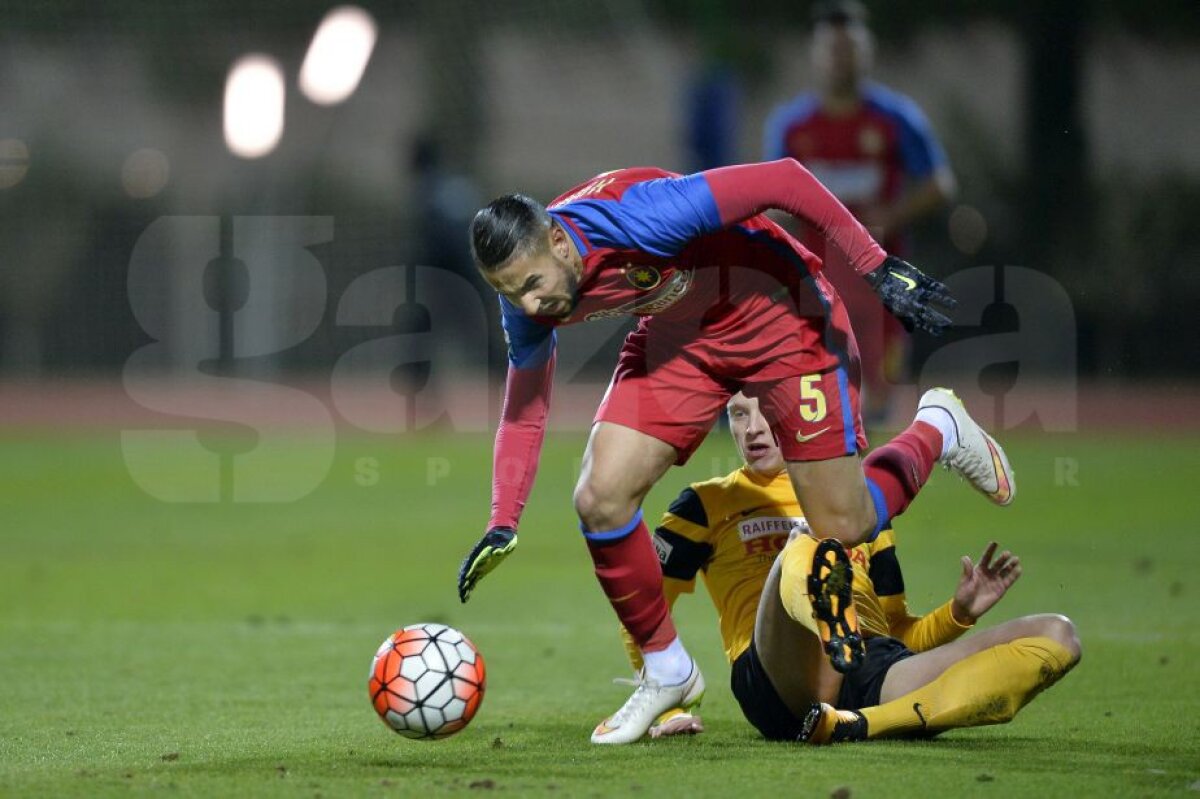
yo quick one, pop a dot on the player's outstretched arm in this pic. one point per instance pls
(514, 465)
(745, 190)
(748, 189)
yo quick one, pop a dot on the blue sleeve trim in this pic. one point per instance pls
(613, 535)
(530, 344)
(920, 152)
(881, 512)
(657, 216)
(848, 428)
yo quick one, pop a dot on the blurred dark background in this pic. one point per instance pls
(1071, 126)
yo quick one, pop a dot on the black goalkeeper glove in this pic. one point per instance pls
(486, 555)
(908, 293)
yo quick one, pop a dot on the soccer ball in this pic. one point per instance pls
(427, 681)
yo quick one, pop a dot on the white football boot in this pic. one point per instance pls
(650, 700)
(976, 456)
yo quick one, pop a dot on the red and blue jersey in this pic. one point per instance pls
(865, 158)
(656, 245)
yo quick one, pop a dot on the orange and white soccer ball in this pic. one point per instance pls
(427, 681)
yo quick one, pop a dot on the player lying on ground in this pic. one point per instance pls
(917, 678)
(727, 301)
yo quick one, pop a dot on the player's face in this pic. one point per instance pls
(753, 435)
(544, 282)
(841, 54)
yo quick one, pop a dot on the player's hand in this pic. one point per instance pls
(910, 294)
(486, 555)
(982, 585)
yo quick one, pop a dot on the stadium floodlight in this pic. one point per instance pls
(338, 55)
(254, 96)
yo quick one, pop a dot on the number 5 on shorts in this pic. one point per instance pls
(812, 398)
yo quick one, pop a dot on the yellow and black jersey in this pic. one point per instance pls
(729, 531)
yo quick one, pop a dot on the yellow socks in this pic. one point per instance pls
(988, 687)
(793, 582)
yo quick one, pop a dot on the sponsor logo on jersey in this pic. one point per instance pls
(768, 535)
(661, 299)
(760, 526)
(770, 545)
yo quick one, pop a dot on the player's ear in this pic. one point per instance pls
(559, 241)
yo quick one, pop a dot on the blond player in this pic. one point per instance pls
(919, 677)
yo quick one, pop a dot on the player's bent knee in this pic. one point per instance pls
(598, 511)
(1066, 634)
(1060, 629)
(851, 529)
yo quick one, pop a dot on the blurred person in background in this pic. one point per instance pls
(874, 149)
(445, 199)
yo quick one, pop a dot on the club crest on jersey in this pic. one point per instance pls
(664, 296)
(643, 277)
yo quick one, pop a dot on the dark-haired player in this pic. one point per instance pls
(919, 677)
(727, 301)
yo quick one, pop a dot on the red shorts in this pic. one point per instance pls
(814, 416)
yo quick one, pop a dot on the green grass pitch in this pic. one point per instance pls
(201, 650)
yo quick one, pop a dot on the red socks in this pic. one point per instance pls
(629, 572)
(896, 471)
